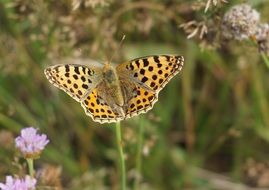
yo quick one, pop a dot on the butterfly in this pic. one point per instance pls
(110, 93)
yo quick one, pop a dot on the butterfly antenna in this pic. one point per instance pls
(120, 45)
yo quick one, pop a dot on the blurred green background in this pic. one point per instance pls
(209, 129)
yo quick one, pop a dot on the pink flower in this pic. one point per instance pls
(27, 183)
(30, 143)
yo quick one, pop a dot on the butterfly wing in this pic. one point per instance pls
(152, 72)
(77, 80)
(138, 100)
(98, 109)
(148, 75)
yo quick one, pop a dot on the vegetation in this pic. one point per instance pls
(208, 130)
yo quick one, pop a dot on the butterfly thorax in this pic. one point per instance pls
(112, 84)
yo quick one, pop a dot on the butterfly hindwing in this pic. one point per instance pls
(141, 101)
(97, 108)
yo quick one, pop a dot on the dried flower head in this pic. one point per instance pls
(30, 143)
(262, 37)
(27, 183)
(50, 176)
(240, 22)
(88, 3)
(213, 2)
(194, 28)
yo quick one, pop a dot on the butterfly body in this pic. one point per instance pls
(112, 84)
(111, 93)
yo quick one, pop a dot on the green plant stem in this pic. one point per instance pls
(30, 163)
(139, 154)
(265, 59)
(121, 155)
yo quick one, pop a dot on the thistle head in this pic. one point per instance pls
(240, 22)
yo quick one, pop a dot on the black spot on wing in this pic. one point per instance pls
(77, 70)
(139, 107)
(67, 69)
(144, 79)
(142, 71)
(84, 70)
(146, 62)
(83, 78)
(75, 77)
(137, 63)
(156, 59)
(85, 86)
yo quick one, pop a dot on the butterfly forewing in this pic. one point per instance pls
(151, 72)
(76, 80)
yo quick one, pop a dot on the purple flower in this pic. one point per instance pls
(27, 183)
(30, 143)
